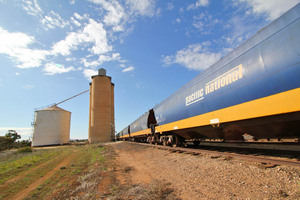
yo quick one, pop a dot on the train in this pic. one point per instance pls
(251, 94)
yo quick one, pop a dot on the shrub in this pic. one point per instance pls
(24, 150)
(6, 143)
(23, 143)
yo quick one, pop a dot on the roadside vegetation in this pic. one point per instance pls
(11, 141)
(71, 172)
(63, 172)
(79, 179)
(13, 164)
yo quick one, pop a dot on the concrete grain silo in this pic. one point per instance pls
(112, 112)
(51, 127)
(101, 116)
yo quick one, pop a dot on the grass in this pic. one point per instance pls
(24, 150)
(79, 178)
(94, 154)
(156, 190)
(50, 158)
(17, 163)
(86, 176)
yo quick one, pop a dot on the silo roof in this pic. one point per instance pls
(55, 108)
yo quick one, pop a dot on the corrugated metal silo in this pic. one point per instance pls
(51, 127)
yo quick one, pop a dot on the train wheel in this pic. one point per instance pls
(176, 141)
(152, 140)
(149, 140)
(156, 139)
(165, 141)
(169, 141)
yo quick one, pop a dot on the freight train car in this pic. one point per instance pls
(253, 92)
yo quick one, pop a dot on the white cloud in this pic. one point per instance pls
(178, 20)
(93, 33)
(199, 3)
(115, 14)
(53, 68)
(25, 132)
(118, 16)
(96, 34)
(122, 65)
(28, 87)
(53, 20)
(170, 6)
(181, 10)
(87, 63)
(89, 72)
(71, 42)
(106, 58)
(92, 37)
(74, 21)
(87, 34)
(239, 31)
(70, 59)
(204, 22)
(10, 41)
(16, 45)
(32, 7)
(272, 8)
(128, 69)
(167, 60)
(30, 58)
(193, 57)
(142, 7)
(79, 17)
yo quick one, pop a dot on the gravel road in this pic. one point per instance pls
(203, 176)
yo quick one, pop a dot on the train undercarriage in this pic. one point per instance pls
(272, 132)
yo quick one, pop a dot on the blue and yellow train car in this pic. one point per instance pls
(254, 90)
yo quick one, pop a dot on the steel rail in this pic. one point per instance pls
(244, 157)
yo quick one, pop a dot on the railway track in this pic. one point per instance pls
(265, 160)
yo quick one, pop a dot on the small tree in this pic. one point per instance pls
(5, 143)
(13, 135)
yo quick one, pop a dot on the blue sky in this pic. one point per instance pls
(150, 48)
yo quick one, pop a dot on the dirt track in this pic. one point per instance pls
(204, 177)
(58, 174)
(123, 170)
(24, 193)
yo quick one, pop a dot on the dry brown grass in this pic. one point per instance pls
(155, 190)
